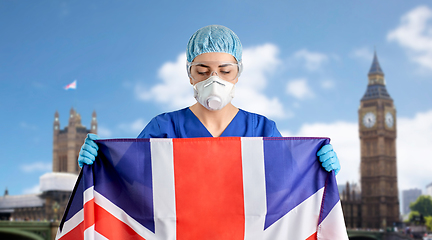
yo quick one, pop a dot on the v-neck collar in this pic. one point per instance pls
(196, 119)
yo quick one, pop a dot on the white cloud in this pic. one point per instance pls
(299, 89)
(345, 140)
(104, 132)
(415, 34)
(34, 189)
(28, 126)
(327, 84)
(36, 167)
(123, 130)
(312, 60)
(175, 90)
(296, 104)
(260, 62)
(134, 127)
(363, 53)
(414, 142)
(286, 133)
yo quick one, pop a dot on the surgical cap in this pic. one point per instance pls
(214, 38)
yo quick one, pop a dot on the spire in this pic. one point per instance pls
(56, 121)
(375, 68)
(376, 82)
(72, 116)
(93, 128)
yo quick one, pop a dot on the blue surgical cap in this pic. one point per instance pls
(214, 38)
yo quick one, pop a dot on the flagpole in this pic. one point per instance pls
(75, 95)
(72, 86)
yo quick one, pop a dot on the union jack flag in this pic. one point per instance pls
(205, 188)
(71, 85)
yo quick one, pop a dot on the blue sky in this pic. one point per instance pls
(306, 65)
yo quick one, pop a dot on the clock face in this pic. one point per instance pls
(389, 120)
(369, 119)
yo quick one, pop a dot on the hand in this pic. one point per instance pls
(88, 151)
(329, 158)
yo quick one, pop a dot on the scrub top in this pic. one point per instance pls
(184, 124)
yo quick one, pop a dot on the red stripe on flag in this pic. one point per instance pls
(75, 234)
(111, 227)
(89, 214)
(209, 202)
(312, 237)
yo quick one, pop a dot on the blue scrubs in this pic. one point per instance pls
(184, 124)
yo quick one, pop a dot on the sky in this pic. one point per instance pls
(305, 67)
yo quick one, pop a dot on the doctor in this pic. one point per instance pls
(214, 64)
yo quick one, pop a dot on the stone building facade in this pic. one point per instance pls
(352, 205)
(67, 142)
(409, 196)
(21, 207)
(377, 206)
(56, 187)
(429, 189)
(377, 130)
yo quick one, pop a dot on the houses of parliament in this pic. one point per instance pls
(376, 207)
(56, 186)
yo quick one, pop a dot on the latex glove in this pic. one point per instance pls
(88, 150)
(329, 158)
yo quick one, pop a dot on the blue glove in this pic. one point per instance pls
(88, 151)
(329, 158)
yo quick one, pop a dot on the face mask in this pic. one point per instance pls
(214, 93)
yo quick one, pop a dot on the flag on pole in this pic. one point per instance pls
(205, 188)
(71, 85)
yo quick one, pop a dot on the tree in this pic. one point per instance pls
(422, 205)
(429, 222)
(416, 217)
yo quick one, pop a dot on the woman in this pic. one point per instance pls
(214, 55)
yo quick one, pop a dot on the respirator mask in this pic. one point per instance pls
(214, 93)
(215, 82)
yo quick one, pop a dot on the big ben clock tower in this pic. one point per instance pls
(377, 130)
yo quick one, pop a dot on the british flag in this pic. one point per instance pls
(71, 85)
(205, 188)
